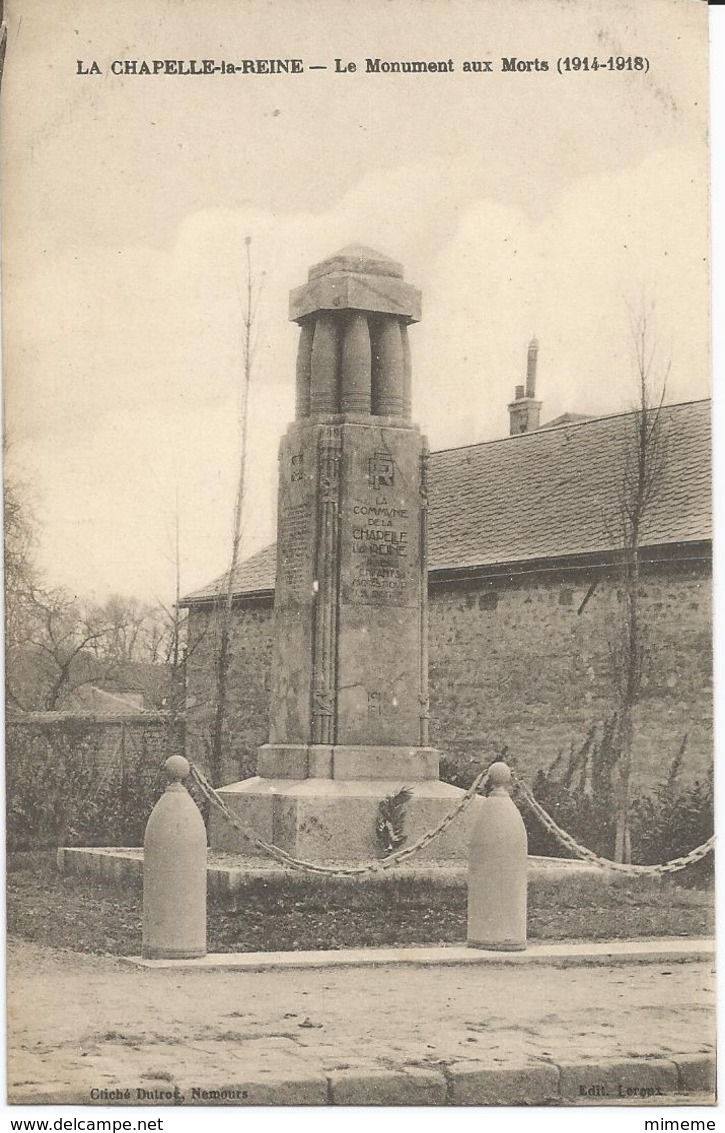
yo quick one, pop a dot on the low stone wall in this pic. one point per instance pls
(85, 779)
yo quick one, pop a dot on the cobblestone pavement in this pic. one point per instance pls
(80, 1023)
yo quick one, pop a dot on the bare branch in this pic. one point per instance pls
(645, 461)
(225, 611)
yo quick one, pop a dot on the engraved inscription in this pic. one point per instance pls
(375, 705)
(381, 550)
(293, 531)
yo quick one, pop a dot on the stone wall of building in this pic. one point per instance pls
(248, 686)
(522, 662)
(529, 664)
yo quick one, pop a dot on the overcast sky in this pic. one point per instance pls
(518, 203)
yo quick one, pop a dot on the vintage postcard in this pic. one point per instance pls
(358, 554)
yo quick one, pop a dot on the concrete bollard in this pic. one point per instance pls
(174, 873)
(497, 864)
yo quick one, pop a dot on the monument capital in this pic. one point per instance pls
(356, 278)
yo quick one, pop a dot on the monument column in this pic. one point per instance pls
(349, 698)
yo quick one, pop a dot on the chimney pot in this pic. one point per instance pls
(525, 410)
(531, 368)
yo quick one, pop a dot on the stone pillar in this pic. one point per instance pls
(349, 697)
(304, 369)
(356, 365)
(407, 373)
(325, 365)
(388, 369)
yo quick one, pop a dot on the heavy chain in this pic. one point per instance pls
(566, 840)
(338, 871)
(580, 851)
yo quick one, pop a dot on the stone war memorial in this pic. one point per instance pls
(348, 747)
(349, 703)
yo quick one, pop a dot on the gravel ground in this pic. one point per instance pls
(91, 1023)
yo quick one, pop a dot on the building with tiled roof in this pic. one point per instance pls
(525, 596)
(551, 494)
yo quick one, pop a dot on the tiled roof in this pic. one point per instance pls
(556, 491)
(256, 573)
(547, 494)
(567, 419)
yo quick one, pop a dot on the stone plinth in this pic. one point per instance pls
(346, 761)
(325, 820)
(349, 702)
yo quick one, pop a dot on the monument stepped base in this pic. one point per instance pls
(332, 820)
(230, 874)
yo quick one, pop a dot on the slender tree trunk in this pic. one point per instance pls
(622, 843)
(177, 737)
(631, 687)
(643, 472)
(177, 596)
(226, 614)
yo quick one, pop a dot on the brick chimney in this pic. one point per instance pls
(525, 410)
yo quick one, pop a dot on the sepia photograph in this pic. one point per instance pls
(357, 476)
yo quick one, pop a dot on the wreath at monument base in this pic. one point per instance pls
(389, 822)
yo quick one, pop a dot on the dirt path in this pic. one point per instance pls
(92, 1023)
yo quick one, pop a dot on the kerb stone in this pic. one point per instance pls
(614, 1080)
(274, 1088)
(410, 1086)
(525, 1083)
(697, 1073)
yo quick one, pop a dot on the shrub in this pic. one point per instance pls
(577, 790)
(463, 774)
(67, 785)
(673, 820)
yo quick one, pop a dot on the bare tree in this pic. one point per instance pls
(67, 647)
(3, 38)
(57, 643)
(21, 576)
(223, 655)
(130, 628)
(644, 464)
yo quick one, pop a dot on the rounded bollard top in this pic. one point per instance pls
(177, 768)
(499, 778)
